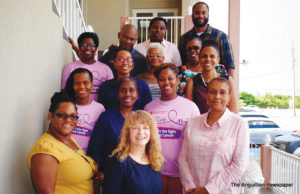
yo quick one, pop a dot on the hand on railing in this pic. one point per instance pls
(74, 46)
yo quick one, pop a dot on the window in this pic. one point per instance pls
(262, 124)
(143, 23)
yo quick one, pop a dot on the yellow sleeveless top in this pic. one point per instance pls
(75, 169)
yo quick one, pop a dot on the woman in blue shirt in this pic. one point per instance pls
(108, 91)
(108, 127)
(134, 167)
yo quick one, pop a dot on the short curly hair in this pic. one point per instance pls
(158, 19)
(57, 98)
(193, 38)
(164, 66)
(85, 35)
(210, 43)
(200, 2)
(221, 80)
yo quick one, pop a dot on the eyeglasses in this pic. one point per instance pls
(154, 55)
(129, 60)
(65, 116)
(193, 47)
(90, 45)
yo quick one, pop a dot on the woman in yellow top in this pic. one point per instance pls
(57, 164)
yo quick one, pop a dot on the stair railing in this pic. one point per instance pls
(71, 17)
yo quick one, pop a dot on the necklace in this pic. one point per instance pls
(194, 65)
(205, 84)
(75, 150)
(73, 147)
(142, 159)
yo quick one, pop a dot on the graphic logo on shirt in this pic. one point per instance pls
(167, 118)
(85, 119)
(82, 131)
(97, 78)
(169, 133)
(95, 89)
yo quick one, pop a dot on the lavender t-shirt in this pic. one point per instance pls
(101, 72)
(88, 116)
(171, 118)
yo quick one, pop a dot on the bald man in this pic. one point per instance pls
(127, 38)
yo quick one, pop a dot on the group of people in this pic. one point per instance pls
(148, 119)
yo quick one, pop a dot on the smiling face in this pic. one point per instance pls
(82, 85)
(127, 94)
(139, 134)
(155, 57)
(209, 58)
(168, 81)
(87, 52)
(218, 95)
(123, 63)
(200, 15)
(158, 31)
(61, 126)
(192, 51)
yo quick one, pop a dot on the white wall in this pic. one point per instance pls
(32, 54)
(105, 16)
(154, 4)
(218, 12)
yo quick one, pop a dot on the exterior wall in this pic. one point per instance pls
(105, 16)
(218, 12)
(154, 4)
(234, 35)
(32, 55)
(185, 4)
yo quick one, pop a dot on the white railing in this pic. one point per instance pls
(71, 17)
(285, 170)
(175, 27)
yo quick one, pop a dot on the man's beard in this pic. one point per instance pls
(200, 25)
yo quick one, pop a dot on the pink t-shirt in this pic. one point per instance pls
(88, 116)
(101, 72)
(171, 118)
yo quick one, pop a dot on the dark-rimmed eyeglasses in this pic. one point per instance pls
(193, 47)
(86, 45)
(128, 60)
(65, 116)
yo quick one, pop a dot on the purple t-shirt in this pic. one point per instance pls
(171, 118)
(88, 116)
(101, 72)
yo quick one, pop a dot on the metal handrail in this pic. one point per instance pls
(71, 16)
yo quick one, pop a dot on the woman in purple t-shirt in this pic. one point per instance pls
(78, 87)
(171, 113)
(88, 43)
